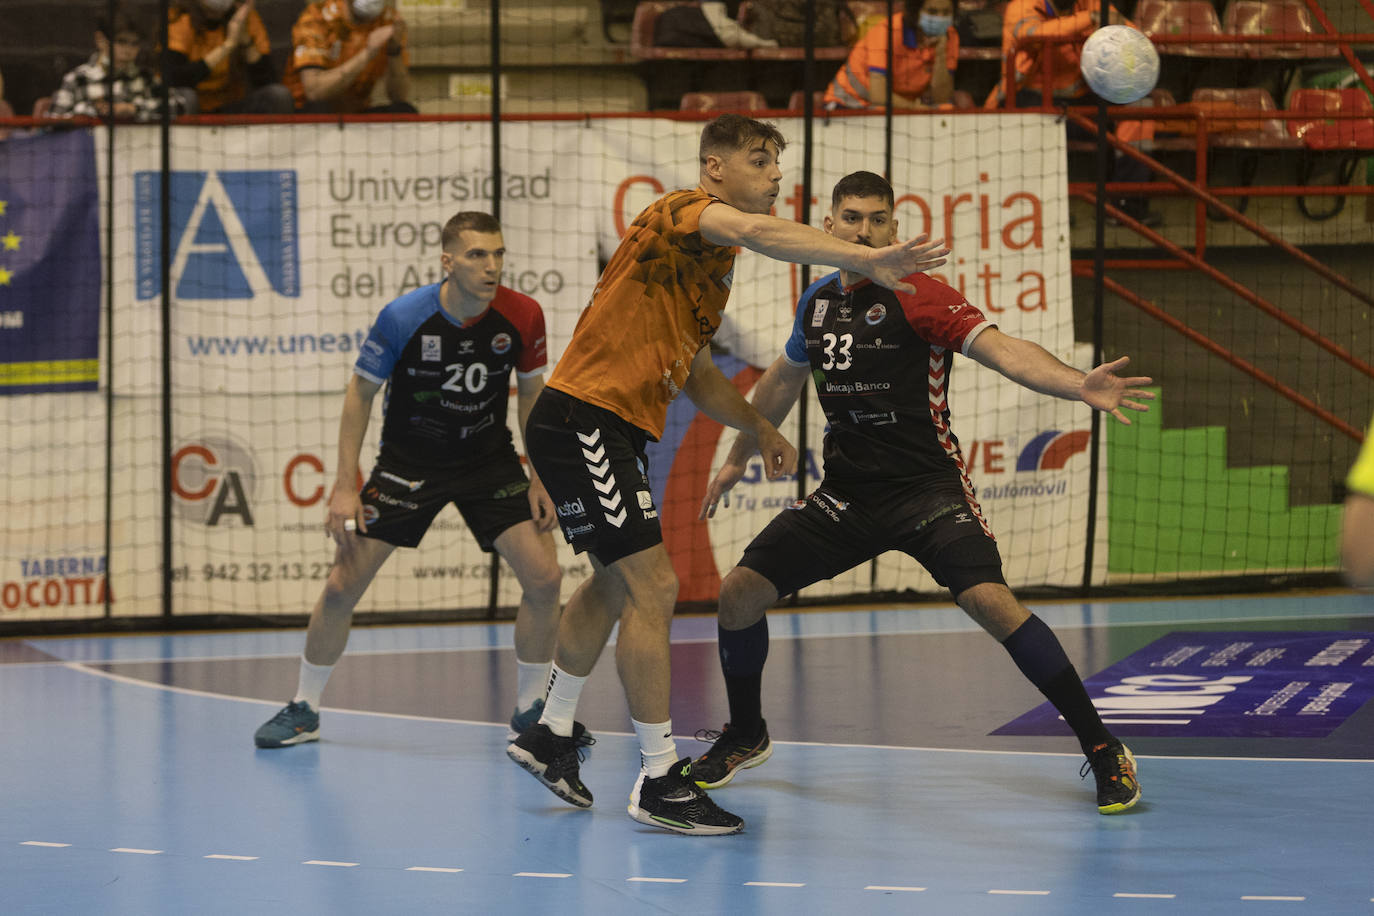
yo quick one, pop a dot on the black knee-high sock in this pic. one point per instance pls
(742, 654)
(1037, 652)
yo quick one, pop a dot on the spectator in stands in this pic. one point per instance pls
(137, 92)
(1075, 19)
(1357, 529)
(784, 21)
(219, 53)
(340, 49)
(925, 51)
(707, 25)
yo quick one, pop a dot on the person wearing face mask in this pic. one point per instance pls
(341, 49)
(218, 50)
(85, 91)
(925, 52)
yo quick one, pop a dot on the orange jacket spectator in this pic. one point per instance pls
(329, 37)
(861, 82)
(1074, 20)
(221, 49)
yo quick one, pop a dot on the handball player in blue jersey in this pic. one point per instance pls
(445, 353)
(895, 480)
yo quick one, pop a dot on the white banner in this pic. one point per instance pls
(287, 240)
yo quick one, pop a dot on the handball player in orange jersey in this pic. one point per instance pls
(643, 340)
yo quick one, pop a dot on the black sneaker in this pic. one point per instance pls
(731, 750)
(553, 760)
(1114, 766)
(674, 802)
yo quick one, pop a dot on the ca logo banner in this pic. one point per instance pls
(234, 234)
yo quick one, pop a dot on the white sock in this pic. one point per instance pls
(531, 680)
(561, 702)
(657, 752)
(312, 681)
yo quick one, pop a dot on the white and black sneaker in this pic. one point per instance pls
(553, 760)
(674, 802)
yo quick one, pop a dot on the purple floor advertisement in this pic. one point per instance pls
(1299, 684)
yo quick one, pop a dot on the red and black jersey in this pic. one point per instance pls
(881, 363)
(448, 384)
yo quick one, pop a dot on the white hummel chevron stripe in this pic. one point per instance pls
(618, 519)
(596, 455)
(605, 486)
(593, 439)
(613, 503)
(600, 470)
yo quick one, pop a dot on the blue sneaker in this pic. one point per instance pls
(523, 720)
(296, 723)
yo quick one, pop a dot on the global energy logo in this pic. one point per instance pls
(234, 234)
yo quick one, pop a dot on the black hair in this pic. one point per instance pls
(467, 221)
(862, 184)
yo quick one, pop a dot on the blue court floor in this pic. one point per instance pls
(131, 784)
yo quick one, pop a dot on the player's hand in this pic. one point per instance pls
(720, 487)
(541, 506)
(1104, 390)
(889, 266)
(779, 457)
(344, 515)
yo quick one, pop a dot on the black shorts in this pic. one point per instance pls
(837, 527)
(400, 504)
(592, 462)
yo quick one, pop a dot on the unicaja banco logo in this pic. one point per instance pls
(234, 234)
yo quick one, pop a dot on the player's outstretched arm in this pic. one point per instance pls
(774, 395)
(1032, 366)
(786, 240)
(344, 504)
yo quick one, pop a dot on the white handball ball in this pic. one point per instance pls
(1120, 64)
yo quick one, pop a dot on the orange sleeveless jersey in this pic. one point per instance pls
(658, 302)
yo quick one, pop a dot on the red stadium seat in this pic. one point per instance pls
(742, 100)
(5, 112)
(1321, 133)
(797, 99)
(1244, 133)
(642, 37)
(1274, 17)
(1176, 18)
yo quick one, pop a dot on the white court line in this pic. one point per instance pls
(541, 874)
(137, 852)
(1022, 893)
(41, 843)
(888, 887)
(969, 627)
(771, 884)
(330, 864)
(228, 858)
(1146, 896)
(659, 880)
(82, 668)
(1261, 898)
(447, 871)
